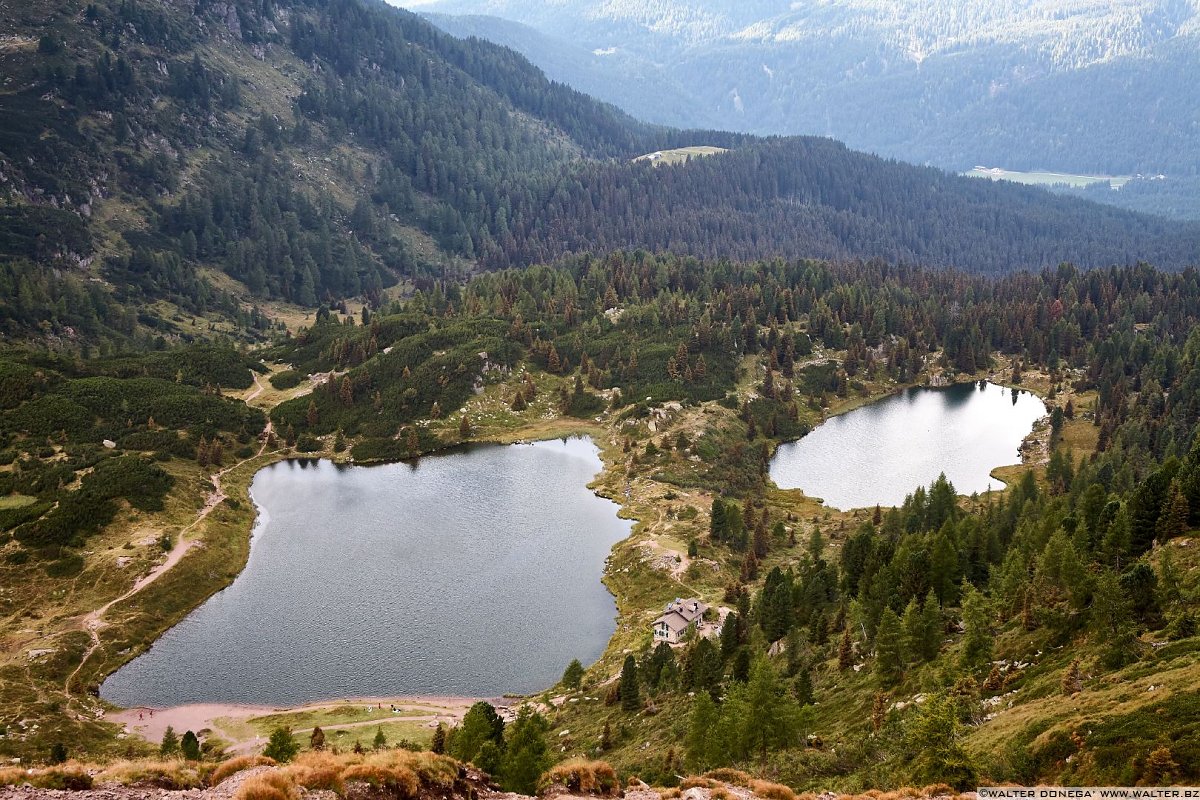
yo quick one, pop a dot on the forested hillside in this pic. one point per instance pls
(951, 639)
(174, 170)
(1082, 87)
(243, 231)
(948, 640)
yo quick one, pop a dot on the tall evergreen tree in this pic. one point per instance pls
(977, 637)
(527, 754)
(889, 656)
(631, 699)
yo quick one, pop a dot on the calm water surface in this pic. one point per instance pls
(474, 573)
(879, 453)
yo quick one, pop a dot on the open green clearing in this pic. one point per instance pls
(681, 155)
(1037, 178)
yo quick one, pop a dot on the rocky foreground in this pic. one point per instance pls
(395, 775)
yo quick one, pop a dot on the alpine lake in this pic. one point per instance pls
(473, 573)
(879, 453)
(478, 572)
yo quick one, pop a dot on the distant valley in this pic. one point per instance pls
(948, 84)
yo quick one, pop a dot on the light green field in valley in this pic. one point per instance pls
(680, 155)
(1047, 178)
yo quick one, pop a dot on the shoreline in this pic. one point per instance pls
(138, 721)
(853, 404)
(150, 723)
(601, 436)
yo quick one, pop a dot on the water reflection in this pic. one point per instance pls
(879, 453)
(474, 573)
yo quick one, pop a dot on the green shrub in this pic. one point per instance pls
(288, 379)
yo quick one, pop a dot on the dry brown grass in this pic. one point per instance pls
(582, 777)
(401, 773)
(235, 765)
(316, 771)
(268, 786)
(172, 774)
(400, 781)
(12, 776)
(772, 791)
(694, 783)
(68, 776)
(733, 776)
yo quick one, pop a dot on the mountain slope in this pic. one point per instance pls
(176, 169)
(1082, 87)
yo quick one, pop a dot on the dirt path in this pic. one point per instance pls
(258, 389)
(93, 622)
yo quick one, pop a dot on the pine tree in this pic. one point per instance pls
(913, 627)
(464, 427)
(1111, 618)
(573, 675)
(380, 740)
(717, 523)
(170, 742)
(438, 745)
(630, 694)
(994, 680)
(889, 658)
(1174, 519)
(189, 746)
(845, 650)
(527, 755)
(730, 640)
(933, 735)
(804, 687)
(606, 736)
(317, 740)
(310, 416)
(977, 640)
(769, 717)
(480, 724)
(701, 722)
(879, 709)
(281, 746)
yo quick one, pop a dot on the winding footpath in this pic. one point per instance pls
(93, 622)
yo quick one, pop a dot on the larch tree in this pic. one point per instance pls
(889, 656)
(527, 755)
(573, 674)
(977, 637)
(630, 692)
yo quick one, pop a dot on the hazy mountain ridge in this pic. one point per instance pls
(1016, 84)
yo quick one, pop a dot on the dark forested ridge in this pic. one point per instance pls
(315, 151)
